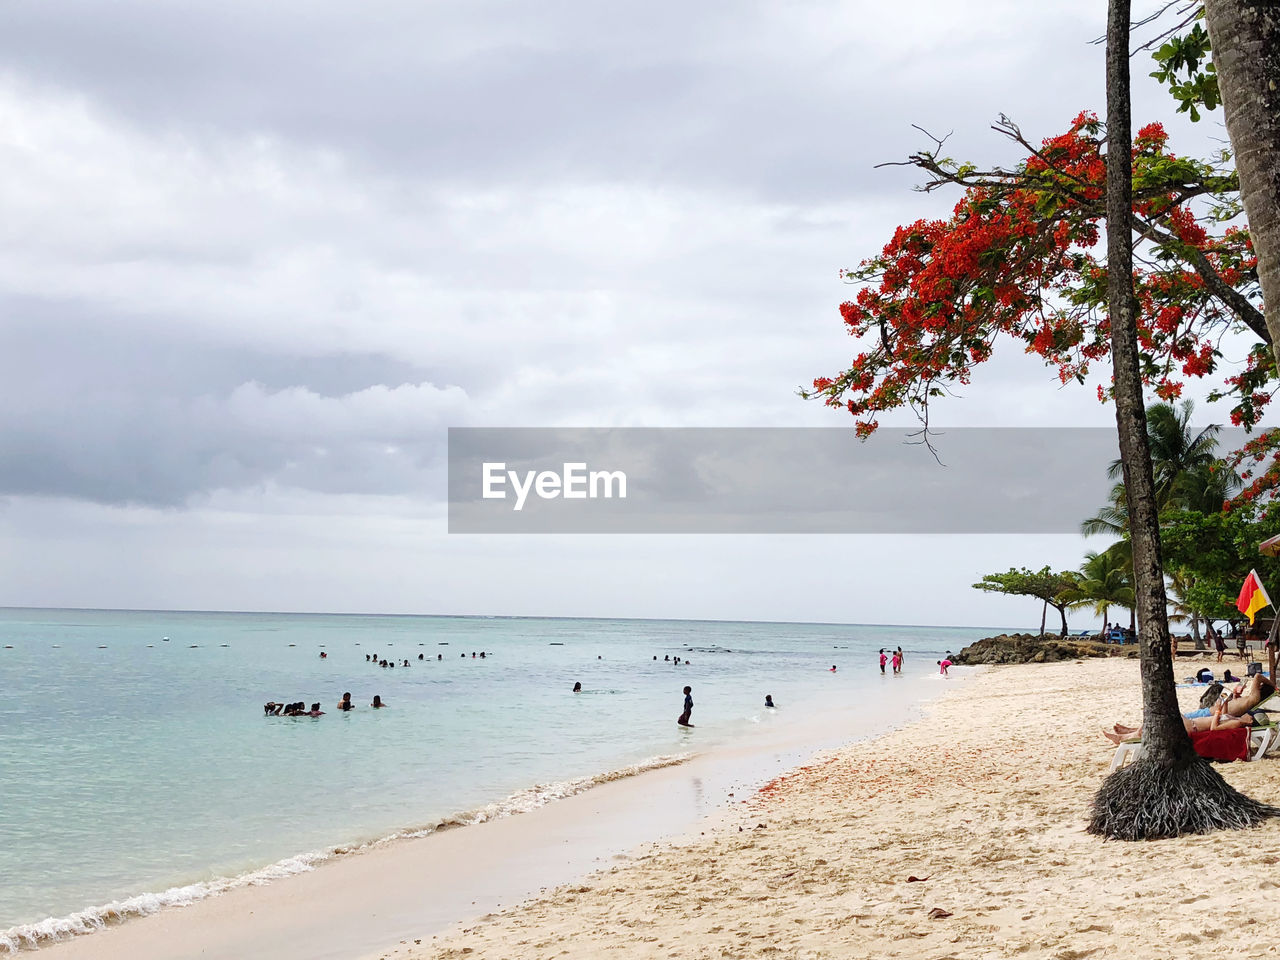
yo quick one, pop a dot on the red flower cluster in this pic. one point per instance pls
(1017, 259)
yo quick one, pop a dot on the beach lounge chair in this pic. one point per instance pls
(1241, 743)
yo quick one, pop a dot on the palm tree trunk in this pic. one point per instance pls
(1106, 616)
(1062, 612)
(1171, 790)
(1245, 35)
(1044, 612)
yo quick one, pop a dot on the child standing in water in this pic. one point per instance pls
(883, 659)
(683, 719)
(897, 662)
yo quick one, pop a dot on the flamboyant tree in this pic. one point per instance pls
(1018, 259)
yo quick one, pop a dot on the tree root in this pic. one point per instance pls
(1148, 800)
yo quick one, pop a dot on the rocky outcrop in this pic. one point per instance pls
(1033, 648)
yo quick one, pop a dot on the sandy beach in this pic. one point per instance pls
(958, 836)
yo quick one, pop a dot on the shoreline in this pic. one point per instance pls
(597, 817)
(960, 835)
(83, 923)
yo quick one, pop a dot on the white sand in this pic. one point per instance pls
(985, 800)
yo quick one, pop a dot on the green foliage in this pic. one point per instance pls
(1104, 582)
(1183, 462)
(1043, 584)
(1216, 551)
(1189, 54)
(1207, 553)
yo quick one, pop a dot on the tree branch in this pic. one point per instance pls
(1238, 303)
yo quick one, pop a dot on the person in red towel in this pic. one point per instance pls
(1218, 719)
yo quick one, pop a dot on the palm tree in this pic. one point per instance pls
(1205, 487)
(1186, 473)
(1246, 56)
(1111, 519)
(1104, 582)
(1176, 450)
(1181, 581)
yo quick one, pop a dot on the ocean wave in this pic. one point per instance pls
(31, 936)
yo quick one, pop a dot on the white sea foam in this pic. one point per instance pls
(30, 936)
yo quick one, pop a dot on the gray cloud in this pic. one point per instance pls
(254, 259)
(98, 415)
(788, 102)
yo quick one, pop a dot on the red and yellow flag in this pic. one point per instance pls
(1253, 596)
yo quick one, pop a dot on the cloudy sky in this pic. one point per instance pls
(255, 259)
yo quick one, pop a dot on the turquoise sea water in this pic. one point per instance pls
(131, 764)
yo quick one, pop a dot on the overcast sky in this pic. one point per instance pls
(255, 259)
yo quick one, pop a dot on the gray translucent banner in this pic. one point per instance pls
(775, 480)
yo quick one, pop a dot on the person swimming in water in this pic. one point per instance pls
(577, 686)
(316, 711)
(377, 702)
(768, 700)
(345, 703)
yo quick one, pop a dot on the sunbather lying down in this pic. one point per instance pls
(1230, 711)
(1218, 719)
(1243, 698)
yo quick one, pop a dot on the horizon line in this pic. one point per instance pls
(501, 616)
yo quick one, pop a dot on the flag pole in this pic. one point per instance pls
(1271, 646)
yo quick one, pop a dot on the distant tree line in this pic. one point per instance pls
(1209, 535)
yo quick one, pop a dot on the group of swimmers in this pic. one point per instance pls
(372, 658)
(299, 709)
(391, 664)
